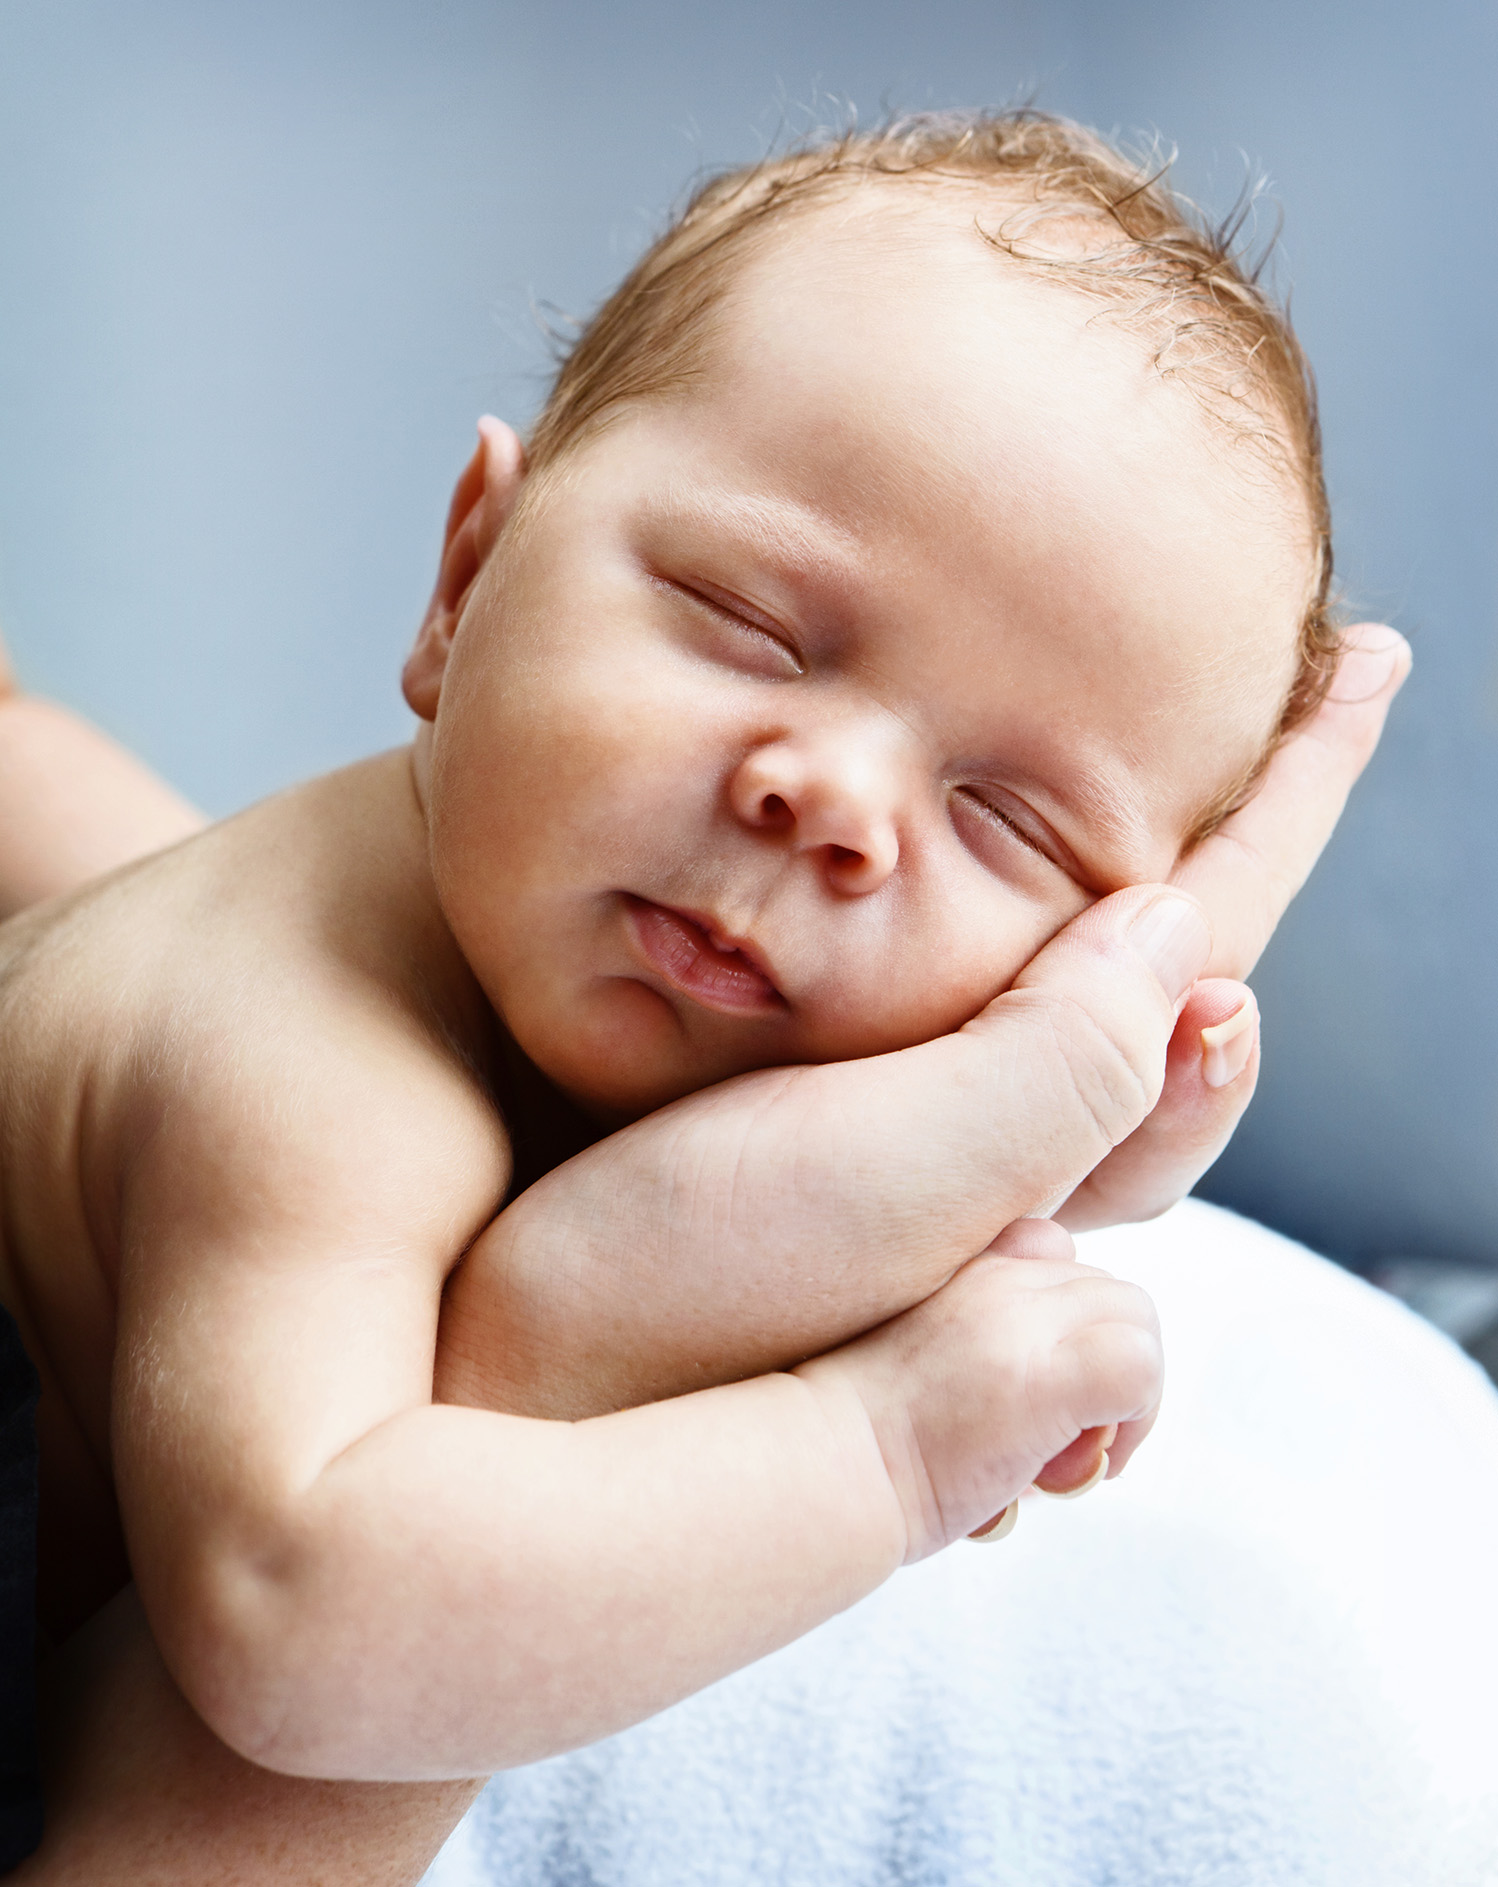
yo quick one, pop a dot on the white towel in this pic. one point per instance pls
(1266, 1657)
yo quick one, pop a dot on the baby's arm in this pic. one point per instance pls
(348, 1580)
(139, 1792)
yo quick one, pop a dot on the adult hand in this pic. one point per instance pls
(1245, 875)
(781, 1213)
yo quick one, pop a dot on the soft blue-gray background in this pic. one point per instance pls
(261, 267)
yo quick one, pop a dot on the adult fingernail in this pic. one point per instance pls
(1226, 1046)
(1172, 936)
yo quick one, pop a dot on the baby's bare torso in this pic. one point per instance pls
(285, 976)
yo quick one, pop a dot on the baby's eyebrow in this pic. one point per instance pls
(793, 534)
(1119, 839)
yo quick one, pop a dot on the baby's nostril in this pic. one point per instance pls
(844, 855)
(774, 811)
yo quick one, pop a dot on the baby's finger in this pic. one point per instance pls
(1210, 1071)
(1041, 1239)
(1079, 1466)
(1129, 1437)
(1110, 1372)
(1249, 869)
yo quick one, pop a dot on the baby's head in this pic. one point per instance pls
(927, 539)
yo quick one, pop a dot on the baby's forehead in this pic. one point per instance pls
(891, 313)
(947, 245)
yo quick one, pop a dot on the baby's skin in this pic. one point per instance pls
(765, 747)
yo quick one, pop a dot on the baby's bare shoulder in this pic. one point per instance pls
(267, 1025)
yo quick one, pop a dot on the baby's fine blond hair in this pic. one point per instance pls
(1064, 204)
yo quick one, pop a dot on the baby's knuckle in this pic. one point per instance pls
(1133, 1361)
(1129, 1302)
(1035, 1241)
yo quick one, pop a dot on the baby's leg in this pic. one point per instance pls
(72, 803)
(140, 1794)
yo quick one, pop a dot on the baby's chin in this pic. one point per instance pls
(621, 1051)
(629, 1056)
(613, 1095)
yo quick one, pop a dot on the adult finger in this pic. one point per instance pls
(985, 1126)
(1246, 873)
(1210, 1071)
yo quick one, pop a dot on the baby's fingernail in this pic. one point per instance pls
(1099, 1473)
(1227, 1046)
(1171, 934)
(999, 1528)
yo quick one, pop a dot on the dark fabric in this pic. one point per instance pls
(20, 1782)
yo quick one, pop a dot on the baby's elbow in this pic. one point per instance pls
(261, 1663)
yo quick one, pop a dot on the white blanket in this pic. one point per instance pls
(1266, 1657)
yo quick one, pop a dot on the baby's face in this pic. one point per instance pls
(797, 712)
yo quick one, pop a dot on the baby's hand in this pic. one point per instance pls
(762, 1222)
(1023, 1356)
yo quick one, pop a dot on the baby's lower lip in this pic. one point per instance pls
(678, 949)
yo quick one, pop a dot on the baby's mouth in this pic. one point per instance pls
(685, 950)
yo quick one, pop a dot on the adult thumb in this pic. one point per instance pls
(1082, 1034)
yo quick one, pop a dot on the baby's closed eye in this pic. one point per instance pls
(1000, 828)
(727, 629)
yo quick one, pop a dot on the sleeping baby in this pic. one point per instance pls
(517, 1229)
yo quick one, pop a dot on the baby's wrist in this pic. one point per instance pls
(879, 1456)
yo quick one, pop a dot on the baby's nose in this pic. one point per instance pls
(835, 797)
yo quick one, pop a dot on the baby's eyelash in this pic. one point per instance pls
(727, 612)
(1002, 818)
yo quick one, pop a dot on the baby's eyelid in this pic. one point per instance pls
(1052, 854)
(743, 615)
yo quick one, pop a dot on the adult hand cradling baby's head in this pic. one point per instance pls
(1245, 875)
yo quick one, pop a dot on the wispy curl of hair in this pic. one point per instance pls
(1066, 205)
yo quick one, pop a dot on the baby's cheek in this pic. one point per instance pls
(914, 988)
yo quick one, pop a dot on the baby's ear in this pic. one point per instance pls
(482, 502)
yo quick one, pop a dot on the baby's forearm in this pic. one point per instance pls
(522, 1335)
(459, 1591)
(633, 1272)
(463, 1591)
